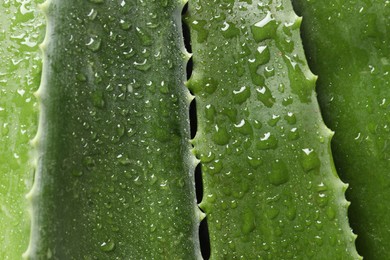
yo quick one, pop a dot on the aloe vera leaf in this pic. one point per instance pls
(114, 173)
(270, 187)
(21, 31)
(348, 46)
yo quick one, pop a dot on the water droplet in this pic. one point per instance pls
(254, 162)
(290, 118)
(229, 30)
(265, 246)
(163, 87)
(287, 101)
(152, 179)
(322, 199)
(384, 103)
(291, 212)
(124, 160)
(268, 141)
(221, 135)
(145, 38)
(301, 84)
(92, 14)
(137, 181)
(97, 99)
(255, 63)
(257, 124)
(240, 68)
(319, 225)
(248, 222)
(125, 25)
(130, 132)
(107, 246)
(211, 198)
(291, 60)
(293, 134)
(241, 95)
(331, 213)
(244, 127)
(322, 187)
(281, 88)
(274, 120)
(89, 162)
(152, 227)
(278, 174)
(231, 113)
(202, 32)
(94, 43)
(210, 112)
(245, 51)
(233, 204)
(81, 77)
(318, 240)
(269, 71)
(265, 96)
(143, 65)
(215, 167)
(164, 185)
(206, 157)
(232, 247)
(129, 54)
(120, 130)
(272, 212)
(264, 29)
(77, 173)
(309, 160)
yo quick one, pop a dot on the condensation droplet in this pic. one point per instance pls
(107, 246)
(94, 43)
(309, 160)
(268, 141)
(278, 174)
(264, 29)
(248, 221)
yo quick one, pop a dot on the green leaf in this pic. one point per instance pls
(270, 187)
(20, 67)
(347, 43)
(115, 173)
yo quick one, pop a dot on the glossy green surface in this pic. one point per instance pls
(20, 32)
(347, 43)
(114, 172)
(270, 188)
